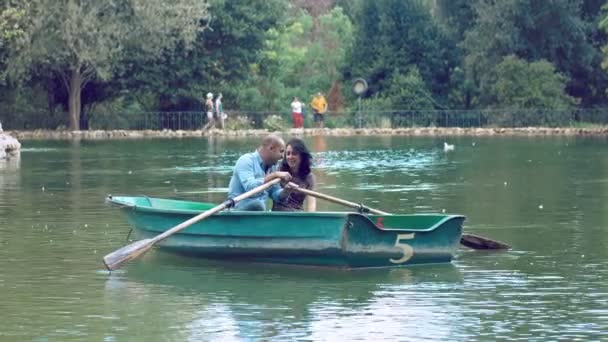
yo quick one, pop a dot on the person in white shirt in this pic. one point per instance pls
(209, 108)
(296, 112)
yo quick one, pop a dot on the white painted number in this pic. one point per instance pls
(407, 250)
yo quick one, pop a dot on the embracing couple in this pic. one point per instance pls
(259, 167)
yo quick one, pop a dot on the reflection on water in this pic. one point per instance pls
(10, 166)
(285, 302)
(39, 149)
(10, 178)
(380, 161)
(319, 144)
(55, 228)
(201, 169)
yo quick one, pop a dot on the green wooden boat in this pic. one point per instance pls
(336, 239)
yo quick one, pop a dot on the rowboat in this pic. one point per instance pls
(335, 239)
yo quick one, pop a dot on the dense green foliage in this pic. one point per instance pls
(300, 59)
(219, 61)
(558, 31)
(523, 85)
(80, 42)
(112, 60)
(11, 31)
(399, 36)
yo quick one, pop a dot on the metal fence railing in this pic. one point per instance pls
(357, 119)
(481, 118)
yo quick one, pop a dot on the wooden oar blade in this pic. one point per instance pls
(480, 242)
(115, 259)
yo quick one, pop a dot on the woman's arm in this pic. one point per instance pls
(310, 201)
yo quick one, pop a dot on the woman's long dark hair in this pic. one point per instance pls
(298, 146)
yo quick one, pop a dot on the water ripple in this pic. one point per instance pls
(55, 228)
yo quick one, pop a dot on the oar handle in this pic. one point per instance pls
(353, 205)
(132, 251)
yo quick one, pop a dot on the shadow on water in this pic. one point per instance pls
(256, 283)
(210, 276)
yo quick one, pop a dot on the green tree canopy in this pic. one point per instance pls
(11, 33)
(393, 34)
(558, 31)
(84, 40)
(603, 24)
(219, 61)
(456, 16)
(523, 85)
(300, 59)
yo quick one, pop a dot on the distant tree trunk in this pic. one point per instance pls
(75, 81)
(335, 98)
(84, 120)
(75, 105)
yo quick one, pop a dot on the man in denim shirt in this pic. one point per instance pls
(256, 168)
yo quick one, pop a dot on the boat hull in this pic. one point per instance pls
(337, 239)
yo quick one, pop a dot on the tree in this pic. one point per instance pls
(529, 94)
(603, 24)
(409, 92)
(324, 47)
(315, 9)
(220, 60)
(395, 34)
(299, 61)
(11, 32)
(559, 31)
(84, 40)
(523, 85)
(456, 16)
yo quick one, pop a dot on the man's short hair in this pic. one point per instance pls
(271, 140)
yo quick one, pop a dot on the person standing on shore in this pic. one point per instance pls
(219, 110)
(209, 109)
(319, 107)
(296, 113)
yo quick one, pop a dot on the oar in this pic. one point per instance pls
(468, 240)
(115, 259)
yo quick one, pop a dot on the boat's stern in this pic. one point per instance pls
(400, 240)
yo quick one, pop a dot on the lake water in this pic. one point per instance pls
(545, 196)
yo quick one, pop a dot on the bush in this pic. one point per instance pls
(275, 123)
(27, 108)
(117, 114)
(530, 117)
(107, 119)
(236, 123)
(523, 85)
(339, 121)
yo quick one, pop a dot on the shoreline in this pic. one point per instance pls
(418, 131)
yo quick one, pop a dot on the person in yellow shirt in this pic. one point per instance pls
(319, 107)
